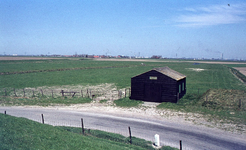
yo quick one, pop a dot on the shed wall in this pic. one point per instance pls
(156, 87)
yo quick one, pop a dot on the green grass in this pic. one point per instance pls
(214, 76)
(103, 101)
(126, 102)
(218, 104)
(20, 133)
(93, 76)
(91, 72)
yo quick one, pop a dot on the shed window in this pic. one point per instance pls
(180, 88)
(183, 86)
(152, 78)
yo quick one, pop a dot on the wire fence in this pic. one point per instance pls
(57, 119)
(223, 98)
(55, 93)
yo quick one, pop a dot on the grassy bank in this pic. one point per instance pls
(20, 133)
(216, 104)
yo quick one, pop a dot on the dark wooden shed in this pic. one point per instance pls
(158, 85)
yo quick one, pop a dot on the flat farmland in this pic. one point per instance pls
(204, 80)
(37, 73)
(25, 58)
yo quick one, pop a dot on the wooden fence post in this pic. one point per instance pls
(119, 93)
(42, 118)
(42, 92)
(82, 125)
(81, 93)
(125, 93)
(15, 93)
(24, 92)
(62, 93)
(90, 94)
(180, 144)
(130, 134)
(5, 92)
(87, 93)
(240, 104)
(32, 93)
(5, 112)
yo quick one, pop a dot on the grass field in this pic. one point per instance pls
(76, 74)
(212, 90)
(83, 72)
(20, 133)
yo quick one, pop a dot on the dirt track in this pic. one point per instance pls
(241, 69)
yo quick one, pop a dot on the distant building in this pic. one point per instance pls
(158, 85)
(156, 57)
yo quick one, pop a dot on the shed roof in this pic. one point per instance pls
(170, 73)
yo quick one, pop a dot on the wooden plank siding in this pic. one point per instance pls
(154, 86)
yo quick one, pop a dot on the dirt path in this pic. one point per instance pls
(241, 69)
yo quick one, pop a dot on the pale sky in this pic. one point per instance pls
(186, 28)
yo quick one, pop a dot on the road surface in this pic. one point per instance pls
(193, 137)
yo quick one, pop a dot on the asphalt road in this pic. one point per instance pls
(193, 137)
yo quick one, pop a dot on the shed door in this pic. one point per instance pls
(152, 92)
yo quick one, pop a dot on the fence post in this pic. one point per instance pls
(90, 94)
(87, 93)
(82, 124)
(15, 93)
(157, 140)
(130, 134)
(5, 112)
(32, 93)
(62, 93)
(81, 93)
(24, 92)
(42, 92)
(42, 118)
(119, 94)
(5, 92)
(125, 93)
(180, 144)
(240, 104)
